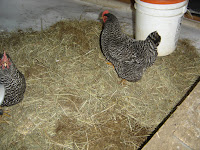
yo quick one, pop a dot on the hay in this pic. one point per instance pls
(73, 98)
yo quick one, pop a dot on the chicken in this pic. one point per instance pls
(129, 57)
(12, 80)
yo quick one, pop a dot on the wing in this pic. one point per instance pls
(120, 48)
(127, 50)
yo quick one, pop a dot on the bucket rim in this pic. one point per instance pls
(160, 6)
(163, 1)
(158, 12)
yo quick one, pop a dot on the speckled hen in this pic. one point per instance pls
(13, 81)
(129, 56)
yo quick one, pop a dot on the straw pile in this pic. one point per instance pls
(74, 100)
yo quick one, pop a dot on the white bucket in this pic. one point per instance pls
(161, 17)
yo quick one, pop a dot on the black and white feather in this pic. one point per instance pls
(129, 56)
(14, 83)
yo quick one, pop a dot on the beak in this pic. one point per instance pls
(5, 64)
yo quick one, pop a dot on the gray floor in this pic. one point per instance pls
(22, 14)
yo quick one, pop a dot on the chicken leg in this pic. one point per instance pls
(123, 82)
(4, 112)
(109, 63)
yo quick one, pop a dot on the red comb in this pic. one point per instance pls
(5, 61)
(105, 12)
(5, 58)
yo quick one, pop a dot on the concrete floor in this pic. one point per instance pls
(15, 14)
(24, 14)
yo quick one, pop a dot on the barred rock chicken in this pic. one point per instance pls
(129, 57)
(13, 81)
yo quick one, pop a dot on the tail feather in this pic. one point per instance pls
(155, 37)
